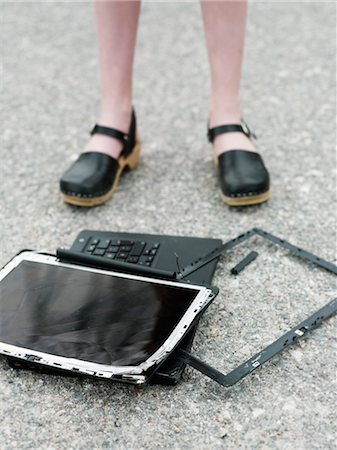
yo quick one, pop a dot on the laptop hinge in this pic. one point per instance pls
(69, 256)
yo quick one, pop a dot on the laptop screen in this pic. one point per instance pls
(89, 316)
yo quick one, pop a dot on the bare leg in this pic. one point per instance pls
(116, 27)
(224, 23)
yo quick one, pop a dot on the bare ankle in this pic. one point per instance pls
(224, 111)
(116, 115)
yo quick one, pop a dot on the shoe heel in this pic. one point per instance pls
(132, 161)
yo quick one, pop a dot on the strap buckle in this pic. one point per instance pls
(247, 131)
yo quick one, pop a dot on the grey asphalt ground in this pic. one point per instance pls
(49, 104)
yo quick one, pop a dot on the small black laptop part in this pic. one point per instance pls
(166, 253)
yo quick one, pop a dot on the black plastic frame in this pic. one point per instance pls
(310, 323)
(297, 251)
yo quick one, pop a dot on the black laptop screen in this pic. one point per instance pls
(87, 315)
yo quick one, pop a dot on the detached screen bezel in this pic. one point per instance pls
(202, 299)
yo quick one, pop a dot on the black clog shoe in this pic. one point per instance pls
(243, 177)
(94, 176)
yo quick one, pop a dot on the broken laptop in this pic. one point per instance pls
(104, 311)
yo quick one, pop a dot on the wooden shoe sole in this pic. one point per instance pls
(245, 201)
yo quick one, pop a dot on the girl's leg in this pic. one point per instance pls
(224, 24)
(116, 28)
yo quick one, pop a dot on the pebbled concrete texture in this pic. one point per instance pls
(50, 102)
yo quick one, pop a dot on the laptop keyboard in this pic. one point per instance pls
(135, 252)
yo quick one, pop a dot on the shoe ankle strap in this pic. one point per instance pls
(230, 128)
(112, 132)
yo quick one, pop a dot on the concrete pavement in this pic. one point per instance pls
(50, 102)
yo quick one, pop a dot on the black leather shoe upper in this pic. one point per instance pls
(91, 175)
(242, 173)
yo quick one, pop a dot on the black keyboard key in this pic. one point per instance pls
(91, 248)
(110, 255)
(94, 241)
(132, 259)
(124, 242)
(116, 242)
(99, 252)
(113, 249)
(104, 243)
(143, 261)
(153, 251)
(155, 245)
(146, 252)
(122, 255)
(125, 248)
(137, 249)
(149, 259)
(83, 243)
